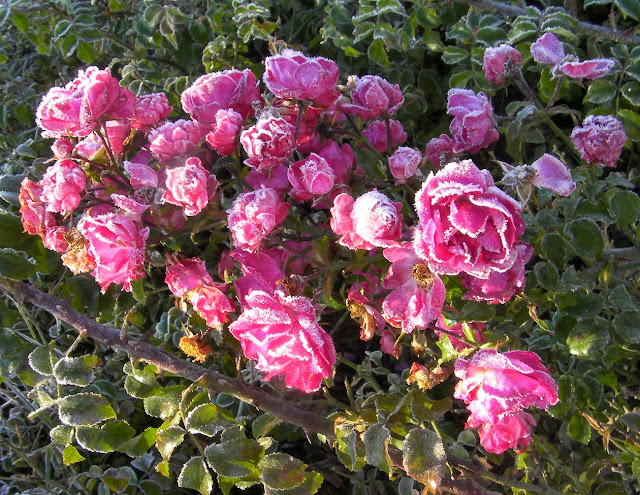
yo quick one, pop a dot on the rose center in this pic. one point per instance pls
(422, 275)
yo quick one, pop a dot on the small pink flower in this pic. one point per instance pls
(211, 303)
(404, 163)
(500, 286)
(547, 50)
(466, 224)
(187, 275)
(293, 75)
(510, 431)
(190, 186)
(376, 133)
(262, 271)
(472, 127)
(62, 148)
(310, 176)
(600, 139)
(254, 215)
(341, 159)
(372, 97)
(117, 245)
(369, 221)
(226, 129)
(63, 186)
(229, 89)
(495, 59)
(589, 69)
(276, 178)
(175, 138)
(268, 143)
(418, 294)
(35, 218)
(150, 109)
(551, 173)
(459, 345)
(439, 150)
(388, 344)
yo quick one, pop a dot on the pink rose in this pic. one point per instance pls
(310, 176)
(116, 244)
(472, 127)
(268, 143)
(55, 239)
(552, 174)
(372, 97)
(509, 431)
(404, 163)
(547, 50)
(262, 271)
(439, 150)
(229, 89)
(477, 327)
(118, 133)
(211, 303)
(600, 139)
(254, 215)
(62, 148)
(63, 186)
(292, 75)
(341, 159)
(308, 139)
(281, 333)
(187, 275)
(495, 60)
(149, 110)
(141, 175)
(418, 294)
(224, 136)
(189, 186)
(276, 178)
(589, 69)
(388, 344)
(175, 138)
(466, 224)
(35, 218)
(376, 133)
(499, 287)
(369, 221)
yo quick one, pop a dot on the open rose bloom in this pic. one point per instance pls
(600, 139)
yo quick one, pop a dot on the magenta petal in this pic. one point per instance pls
(552, 174)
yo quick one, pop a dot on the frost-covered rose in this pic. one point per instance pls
(376, 133)
(438, 147)
(254, 215)
(224, 135)
(229, 89)
(116, 244)
(547, 50)
(589, 69)
(369, 221)
(552, 174)
(497, 388)
(35, 218)
(341, 159)
(466, 224)
(372, 97)
(405, 162)
(210, 302)
(310, 176)
(150, 109)
(184, 276)
(189, 185)
(175, 138)
(494, 60)
(63, 186)
(600, 139)
(418, 294)
(293, 75)
(268, 143)
(472, 127)
(499, 287)
(62, 148)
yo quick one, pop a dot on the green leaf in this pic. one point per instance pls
(167, 439)
(390, 6)
(263, 424)
(13, 354)
(631, 420)
(166, 404)
(579, 302)
(631, 123)
(84, 409)
(370, 164)
(378, 54)
(40, 360)
(631, 92)
(62, 434)
(109, 437)
(424, 409)
(454, 55)
(139, 444)
(547, 275)
(478, 311)
(579, 429)
(195, 475)
(236, 458)
(118, 479)
(68, 45)
(629, 7)
(620, 299)
(208, 419)
(601, 91)
(625, 207)
(423, 457)
(86, 53)
(460, 79)
(490, 36)
(626, 325)
(585, 237)
(70, 455)
(12, 230)
(281, 471)
(75, 371)
(590, 337)
(16, 265)
(376, 442)
(309, 486)
(20, 21)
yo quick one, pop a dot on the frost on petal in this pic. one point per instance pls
(190, 186)
(600, 139)
(495, 59)
(589, 69)
(268, 143)
(63, 186)
(547, 50)
(552, 174)
(310, 176)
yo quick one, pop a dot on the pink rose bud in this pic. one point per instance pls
(459, 345)
(376, 133)
(292, 75)
(190, 186)
(268, 143)
(149, 110)
(388, 344)
(117, 245)
(35, 218)
(500, 286)
(551, 173)
(63, 186)
(439, 150)
(341, 159)
(226, 129)
(600, 139)
(369, 221)
(310, 176)
(372, 97)
(211, 303)
(472, 127)
(418, 294)
(466, 224)
(589, 69)
(281, 333)
(187, 275)
(495, 60)
(141, 176)
(404, 163)
(175, 138)
(254, 215)
(276, 178)
(62, 148)
(229, 89)
(547, 50)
